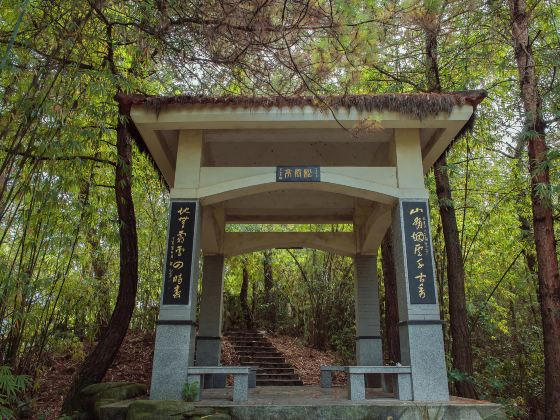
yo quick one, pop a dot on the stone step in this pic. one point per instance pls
(231, 334)
(255, 348)
(272, 353)
(251, 344)
(246, 341)
(279, 382)
(265, 357)
(262, 360)
(245, 336)
(275, 376)
(269, 370)
(267, 365)
(236, 340)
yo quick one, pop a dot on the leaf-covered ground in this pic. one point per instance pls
(134, 363)
(306, 360)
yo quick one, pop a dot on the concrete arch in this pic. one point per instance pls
(237, 243)
(222, 184)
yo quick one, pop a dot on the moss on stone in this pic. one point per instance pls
(124, 392)
(103, 386)
(217, 416)
(92, 397)
(145, 409)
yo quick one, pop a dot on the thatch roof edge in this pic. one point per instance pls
(124, 111)
(417, 105)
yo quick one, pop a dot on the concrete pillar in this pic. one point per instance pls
(369, 349)
(208, 343)
(175, 332)
(420, 326)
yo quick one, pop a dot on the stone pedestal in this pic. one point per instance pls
(420, 327)
(176, 326)
(172, 355)
(369, 349)
(208, 343)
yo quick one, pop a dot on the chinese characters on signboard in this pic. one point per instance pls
(179, 253)
(298, 174)
(418, 250)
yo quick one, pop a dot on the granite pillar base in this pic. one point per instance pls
(369, 352)
(171, 358)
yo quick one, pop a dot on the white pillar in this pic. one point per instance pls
(420, 326)
(369, 349)
(175, 332)
(208, 343)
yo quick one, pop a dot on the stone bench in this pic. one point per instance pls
(240, 378)
(326, 374)
(402, 380)
(219, 380)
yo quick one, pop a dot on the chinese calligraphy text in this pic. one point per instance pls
(418, 250)
(298, 174)
(179, 253)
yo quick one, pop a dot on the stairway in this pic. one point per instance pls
(254, 349)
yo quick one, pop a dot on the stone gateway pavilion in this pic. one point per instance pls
(356, 160)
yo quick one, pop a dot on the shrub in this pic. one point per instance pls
(11, 388)
(190, 391)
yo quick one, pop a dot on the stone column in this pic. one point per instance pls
(176, 325)
(420, 326)
(208, 342)
(369, 349)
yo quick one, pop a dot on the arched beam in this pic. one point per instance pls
(218, 184)
(237, 243)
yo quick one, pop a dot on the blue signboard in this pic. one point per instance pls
(418, 248)
(180, 242)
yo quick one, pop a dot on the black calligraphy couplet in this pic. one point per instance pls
(418, 249)
(298, 174)
(180, 250)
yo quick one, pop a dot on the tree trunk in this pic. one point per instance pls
(545, 245)
(99, 268)
(460, 344)
(391, 302)
(460, 347)
(100, 359)
(268, 289)
(243, 298)
(254, 300)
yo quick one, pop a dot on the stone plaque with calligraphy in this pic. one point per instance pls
(418, 248)
(298, 174)
(180, 244)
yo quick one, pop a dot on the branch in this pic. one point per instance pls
(58, 158)
(495, 288)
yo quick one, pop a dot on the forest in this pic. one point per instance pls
(83, 211)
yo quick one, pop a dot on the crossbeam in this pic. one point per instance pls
(236, 243)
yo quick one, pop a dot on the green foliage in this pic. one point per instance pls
(190, 391)
(11, 389)
(59, 244)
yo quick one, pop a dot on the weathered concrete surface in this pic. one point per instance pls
(307, 402)
(313, 402)
(367, 412)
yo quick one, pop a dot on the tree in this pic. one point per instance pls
(243, 293)
(391, 301)
(461, 346)
(99, 360)
(269, 298)
(521, 16)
